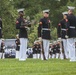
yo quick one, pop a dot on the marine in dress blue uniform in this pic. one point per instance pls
(0, 36)
(57, 49)
(17, 41)
(38, 49)
(35, 50)
(2, 50)
(63, 33)
(71, 33)
(44, 32)
(54, 50)
(22, 26)
(0, 28)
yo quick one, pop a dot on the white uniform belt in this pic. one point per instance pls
(72, 27)
(63, 29)
(45, 29)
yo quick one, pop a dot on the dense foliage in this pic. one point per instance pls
(33, 8)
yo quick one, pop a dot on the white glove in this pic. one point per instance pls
(4, 47)
(40, 38)
(60, 49)
(66, 36)
(59, 39)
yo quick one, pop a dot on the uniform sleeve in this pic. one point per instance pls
(67, 26)
(16, 41)
(40, 28)
(59, 30)
(1, 23)
(17, 24)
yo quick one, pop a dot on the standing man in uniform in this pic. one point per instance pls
(44, 33)
(54, 50)
(0, 28)
(2, 51)
(38, 50)
(71, 33)
(62, 33)
(50, 50)
(17, 41)
(35, 50)
(22, 26)
(0, 35)
(57, 49)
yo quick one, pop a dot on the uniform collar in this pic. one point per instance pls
(71, 14)
(46, 17)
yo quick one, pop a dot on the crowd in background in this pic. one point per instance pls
(36, 50)
(55, 50)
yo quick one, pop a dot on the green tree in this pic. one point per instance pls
(33, 8)
(8, 15)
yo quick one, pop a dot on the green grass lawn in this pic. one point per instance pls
(37, 67)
